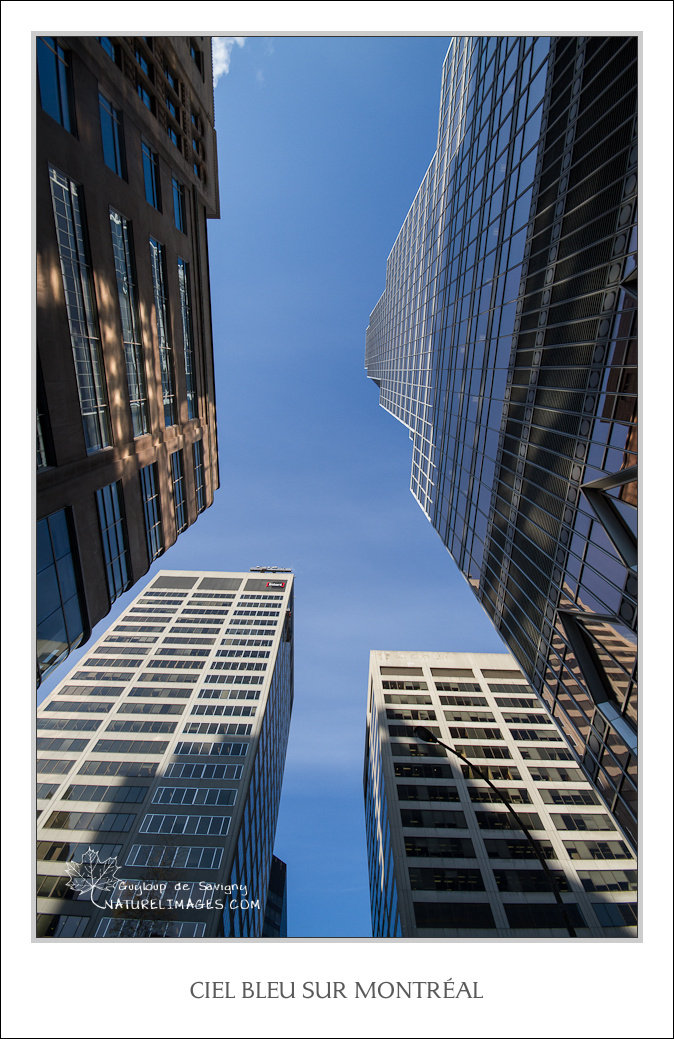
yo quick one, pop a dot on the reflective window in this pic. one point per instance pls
(53, 77)
(127, 295)
(199, 476)
(112, 519)
(113, 136)
(110, 48)
(178, 482)
(151, 176)
(152, 509)
(61, 616)
(158, 261)
(59, 926)
(188, 337)
(179, 210)
(78, 287)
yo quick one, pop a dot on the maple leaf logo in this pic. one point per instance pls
(92, 874)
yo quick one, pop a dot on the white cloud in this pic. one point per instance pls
(222, 50)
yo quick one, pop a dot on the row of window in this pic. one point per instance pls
(74, 255)
(56, 98)
(206, 825)
(511, 848)
(113, 927)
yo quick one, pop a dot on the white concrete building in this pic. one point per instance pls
(162, 754)
(445, 857)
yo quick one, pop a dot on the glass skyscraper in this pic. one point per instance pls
(161, 754)
(505, 340)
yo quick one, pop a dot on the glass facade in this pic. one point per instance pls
(506, 341)
(149, 483)
(179, 206)
(112, 134)
(188, 337)
(151, 176)
(199, 479)
(62, 622)
(186, 814)
(179, 495)
(53, 76)
(161, 310)
(112, 519)
(80, 299)
(127, 294)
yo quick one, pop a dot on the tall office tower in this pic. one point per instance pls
(127, 450)
(163, 751)
(446, 858)
(505, 340)
(276, 910)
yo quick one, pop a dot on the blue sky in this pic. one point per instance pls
(322, 144)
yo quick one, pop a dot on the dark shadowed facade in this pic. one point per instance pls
(505, 340)
(127, 453)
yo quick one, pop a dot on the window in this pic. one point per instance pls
(174, 857)
(127, 294)
(61, 617)
(178, 481)
(102, 821)
(78, 287)
(188, 337)
(179, 210)
(137, 725)
(171, 78)
(113, 136)
(70, 724)
(173, 136)
(145, 96)
(110, 47)
(197, 56)
(616, 914)
(53, 76)
(158, 262)
(208, 825)
(199, 476)
(151, 176)
(45, 446)
(191, 795)
(113, 533)
(61, 926)
(152, 510)
(143, 63)
(65, 851)
(110, 927)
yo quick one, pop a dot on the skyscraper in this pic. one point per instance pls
(126, 180)
(505, 340)
(162, 754)
(445, 857)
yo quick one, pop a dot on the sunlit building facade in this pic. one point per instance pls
(446, 859)
(505, 340)
(126, 180)
(163, 751)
